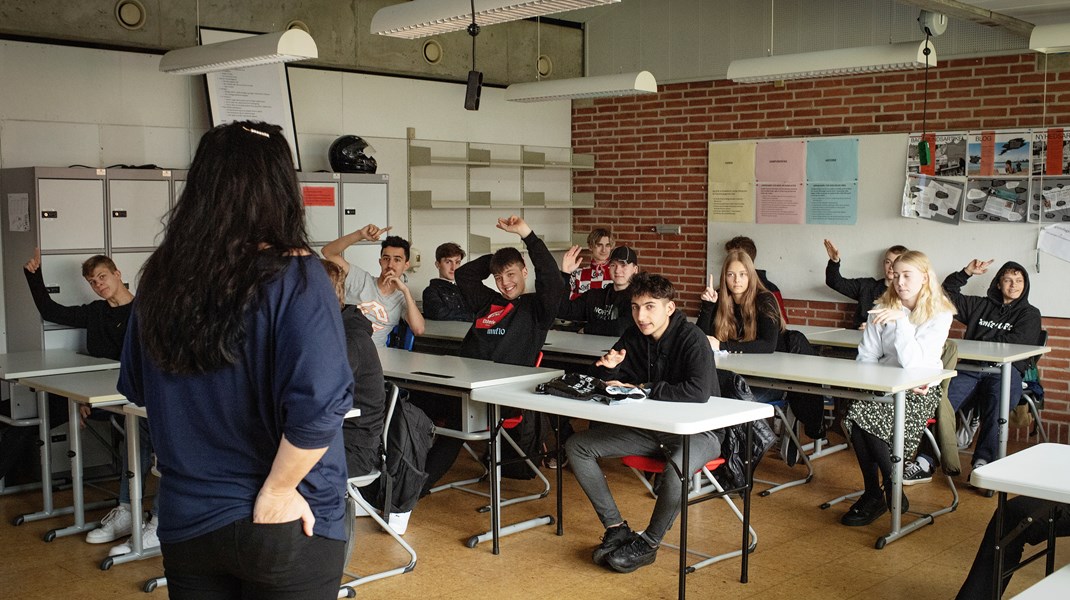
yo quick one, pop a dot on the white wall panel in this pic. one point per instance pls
(166, 147)
(48, 144)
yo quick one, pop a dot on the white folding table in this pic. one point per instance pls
(16, 366)
(1039, 472)
(845, 379)
(681, 418)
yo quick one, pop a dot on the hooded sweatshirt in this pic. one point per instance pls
(606, 310)
(678, 367)
(988, 319)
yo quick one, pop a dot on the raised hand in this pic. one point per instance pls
(514, 224)
(611, 359)
(372, 232)
(35, 262)
(978, 267)
(710, 293)
(571, 260)
(834, 254)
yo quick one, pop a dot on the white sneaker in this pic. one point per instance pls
(399, 522)
(113, 526)
(148, 540)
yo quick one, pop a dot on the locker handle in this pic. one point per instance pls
(350, 212)
(118, 214)
(52, 289)
(49, 214)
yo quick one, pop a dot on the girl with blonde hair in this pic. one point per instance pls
(907, 327)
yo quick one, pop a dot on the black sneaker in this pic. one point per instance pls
(629, 557)
(865, 511)
(613, 538)
(914, 473)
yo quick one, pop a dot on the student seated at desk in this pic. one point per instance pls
(982, 578)
(384, 299)
(670, 357)
(595, 275)
(864, 290)
(907, 328)
(605, 311)
(105, 323)
(746, 244)
(1004, 314)
(442, 298)
(510, 326)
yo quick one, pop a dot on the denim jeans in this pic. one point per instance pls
(982, 389)
(250, 560)
(614, 441)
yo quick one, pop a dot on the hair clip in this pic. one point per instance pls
(256, 131)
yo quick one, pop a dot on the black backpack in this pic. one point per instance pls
(733, 448)
(403, 475)
(809, 409)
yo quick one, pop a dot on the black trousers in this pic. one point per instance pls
(245, 560)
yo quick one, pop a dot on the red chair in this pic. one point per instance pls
(703, 483)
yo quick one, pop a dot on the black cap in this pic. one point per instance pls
(624, 253)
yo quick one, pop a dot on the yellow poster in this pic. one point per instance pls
(733, 161)
(731, 202)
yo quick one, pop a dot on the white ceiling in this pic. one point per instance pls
(1038, 12)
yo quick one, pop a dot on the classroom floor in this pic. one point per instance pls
(803, 552)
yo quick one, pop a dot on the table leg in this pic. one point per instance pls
(494, 449)
(74, 440)
(133, 451)
(43, 430)
(997, 568)
(749, 466)
(1004, 405)
(560, 467)
(685, 476)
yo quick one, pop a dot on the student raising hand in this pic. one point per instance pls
(833, 252)
(710, 293)
(571, 260)
(514, 224)
(35, 262)
(612, 359)
(978, 267)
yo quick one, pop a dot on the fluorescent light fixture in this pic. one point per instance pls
(269, 48)
(599, 86)
(1050, 38)
(421, 18)
(832, 63)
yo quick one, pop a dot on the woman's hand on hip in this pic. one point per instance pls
(283, 506)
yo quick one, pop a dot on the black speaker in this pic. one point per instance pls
(471, 94)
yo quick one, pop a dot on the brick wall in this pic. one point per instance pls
(650, 156)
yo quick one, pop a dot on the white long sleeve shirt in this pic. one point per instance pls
(901, 343)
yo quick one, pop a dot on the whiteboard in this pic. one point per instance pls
(795, 258)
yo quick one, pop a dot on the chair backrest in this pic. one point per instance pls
(1031, 373)
(538, 360)
(391, 403)
(401, 336)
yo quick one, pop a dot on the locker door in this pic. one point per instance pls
(321, 211)
(129, 264)
(71, 213)
(63, 277)
(364, 203)
(136, 209)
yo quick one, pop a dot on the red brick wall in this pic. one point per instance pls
(651, 153)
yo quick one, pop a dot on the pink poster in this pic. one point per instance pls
(783, 203)
(782, 162)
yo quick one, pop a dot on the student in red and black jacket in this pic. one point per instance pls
(510, 326)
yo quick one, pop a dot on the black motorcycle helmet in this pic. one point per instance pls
(346, 155)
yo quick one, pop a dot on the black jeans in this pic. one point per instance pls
(246, 560)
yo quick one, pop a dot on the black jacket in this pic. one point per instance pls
(510, 332)
(988, 319)
(443, 301)
(679, 367)
(864, 290)
(768, 325)
(104, 324)
(605, 310)
(364, 434)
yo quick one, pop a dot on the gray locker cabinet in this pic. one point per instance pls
(321, 195)
(359, 199)
(137, 202)
(71, 213)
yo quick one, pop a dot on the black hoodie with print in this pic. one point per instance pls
(988, 319)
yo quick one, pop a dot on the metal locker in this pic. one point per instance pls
(137, 201)
(71, 214)
(364, 201)
(63, 278)
(321, 198)
(129, 265)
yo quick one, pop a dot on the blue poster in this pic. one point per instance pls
(832, 160)
(832, 203)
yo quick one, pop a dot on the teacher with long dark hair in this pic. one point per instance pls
(236, 349)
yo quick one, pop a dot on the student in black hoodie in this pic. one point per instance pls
(864, 290)
(608, 310)
(442, 298)
(672, 359)
(1003, 315)
(510, 326)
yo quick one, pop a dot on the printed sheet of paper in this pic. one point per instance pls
(731, 202)
(781, 203)
(18, 212)
(831, 203)
(1055, 240)
(780, 162)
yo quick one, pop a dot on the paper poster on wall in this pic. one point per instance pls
(996, 200)
(260, 93)
(832, 203)
(731, 202)
(780, 203)
(1050, 201)
(947, 154)
(733, 161)
(1051, 152)
(18, 212)
(930, 198)
(1055, 240)
(832, 160)
(780, 162)
(995, 153)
